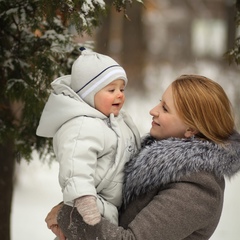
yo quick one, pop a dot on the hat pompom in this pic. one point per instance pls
(82, 49)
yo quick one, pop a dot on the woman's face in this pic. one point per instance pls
(166, 122)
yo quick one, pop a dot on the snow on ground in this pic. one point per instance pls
(36, 192)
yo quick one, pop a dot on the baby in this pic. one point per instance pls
(93, 137)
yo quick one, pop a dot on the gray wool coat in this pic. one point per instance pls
(173, 190)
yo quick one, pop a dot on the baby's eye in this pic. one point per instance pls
(122, 90)
(111, 90)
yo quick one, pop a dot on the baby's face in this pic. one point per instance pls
(110, 99)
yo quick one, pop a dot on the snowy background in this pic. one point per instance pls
(37, 189)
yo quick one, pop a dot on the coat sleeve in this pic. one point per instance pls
(77, 145)
(173, 214)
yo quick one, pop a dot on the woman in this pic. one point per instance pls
(174, 187)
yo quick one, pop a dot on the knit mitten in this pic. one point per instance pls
(87, 207)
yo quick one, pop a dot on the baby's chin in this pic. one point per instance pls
(115, 113)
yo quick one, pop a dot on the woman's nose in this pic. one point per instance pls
(154, 112)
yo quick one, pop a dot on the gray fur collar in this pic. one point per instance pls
(161, 162)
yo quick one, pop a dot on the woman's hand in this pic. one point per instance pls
(52, 224)
(58, 232)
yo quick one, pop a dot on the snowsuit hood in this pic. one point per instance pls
(63, 104)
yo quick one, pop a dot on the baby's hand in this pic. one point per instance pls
(87, 207)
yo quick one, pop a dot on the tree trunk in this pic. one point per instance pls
(102, 34)
(134, 47)
(6, 187)
(231, 25)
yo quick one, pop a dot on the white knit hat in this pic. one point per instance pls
(93, 71)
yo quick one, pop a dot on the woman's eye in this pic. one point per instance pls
(164, 108)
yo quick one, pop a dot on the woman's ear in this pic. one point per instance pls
(190, 132)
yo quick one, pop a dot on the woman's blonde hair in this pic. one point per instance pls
(204, 106)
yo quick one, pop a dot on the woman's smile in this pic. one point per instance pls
(155, 124)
